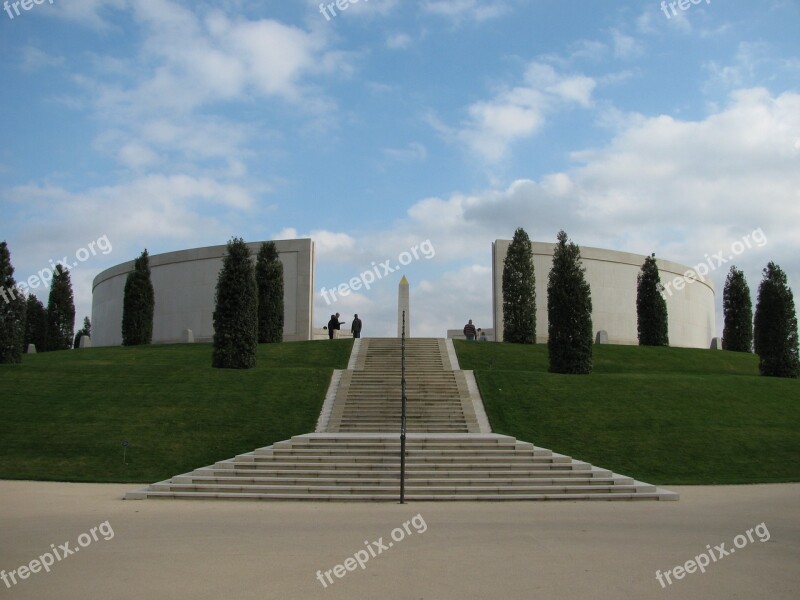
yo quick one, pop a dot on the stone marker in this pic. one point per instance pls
(86, 342)
(31, 348)
(602, 337)
(403, 304)
(716, 343)
(188, 336)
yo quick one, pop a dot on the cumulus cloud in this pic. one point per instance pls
(519, 112)
(680, 188)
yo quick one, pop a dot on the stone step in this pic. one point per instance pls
(411, 446)
(253, 467)
(394, 474)
(394, 489)
(422, 497)
(418, 455)
(339, 481)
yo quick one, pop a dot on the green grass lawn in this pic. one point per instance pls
(661, 415)
(66, 414)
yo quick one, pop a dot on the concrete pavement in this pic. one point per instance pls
(564, 550)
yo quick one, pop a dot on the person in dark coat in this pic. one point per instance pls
(333, 325)
(469, 330)
(355, 328)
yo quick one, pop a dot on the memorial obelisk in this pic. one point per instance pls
(403, 304)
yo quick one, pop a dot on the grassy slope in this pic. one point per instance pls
(66, 414)
(662, 415)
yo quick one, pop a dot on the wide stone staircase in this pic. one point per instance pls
(368, 397)
(451, 453)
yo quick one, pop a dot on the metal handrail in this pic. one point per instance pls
(403, 412)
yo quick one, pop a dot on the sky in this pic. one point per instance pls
(386, 126)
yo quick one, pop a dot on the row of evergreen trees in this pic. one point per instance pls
(569, 303)
(25, 321)
(248, 304)
(569, 308)
(249, 308)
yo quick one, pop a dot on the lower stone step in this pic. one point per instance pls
(438, 467)
(657, 495)
(394, 490)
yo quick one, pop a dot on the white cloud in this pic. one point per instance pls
(89, 13)
(461, 10)
(626, 46)
(519, 112)
(163, 213)
(189, 60)
(329, 246)
(742, 72)
(682, 189)
(137, 156)
(398, 41)
(34, 59)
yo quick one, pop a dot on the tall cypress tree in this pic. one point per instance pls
(35, 325)
(519, 291)
(138, 304)
(569, 311)
(236, 311)
(269, 279)
(60, 311)
(737, 334)
(651, 308)
(12, 312)
(775, 331)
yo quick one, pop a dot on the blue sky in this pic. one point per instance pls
(170, 125)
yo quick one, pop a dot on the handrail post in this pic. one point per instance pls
(403, 412)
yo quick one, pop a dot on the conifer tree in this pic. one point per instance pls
(519, 291)
(651, 308)
(236, 310)
(35, 325)
(775, 330)
(138, 304)
(737, 333)
(569, 311)
(12, 311)
(60, 311)
(269, 279)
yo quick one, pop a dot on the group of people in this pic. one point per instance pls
(335, 325)
(472, 334)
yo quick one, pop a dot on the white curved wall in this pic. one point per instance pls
(185, 283)
(612, 278)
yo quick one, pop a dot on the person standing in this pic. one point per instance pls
(470, 331)
(333, 325)
(355, 328)
(338, 326)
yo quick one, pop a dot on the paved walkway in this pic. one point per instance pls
(535, 550)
